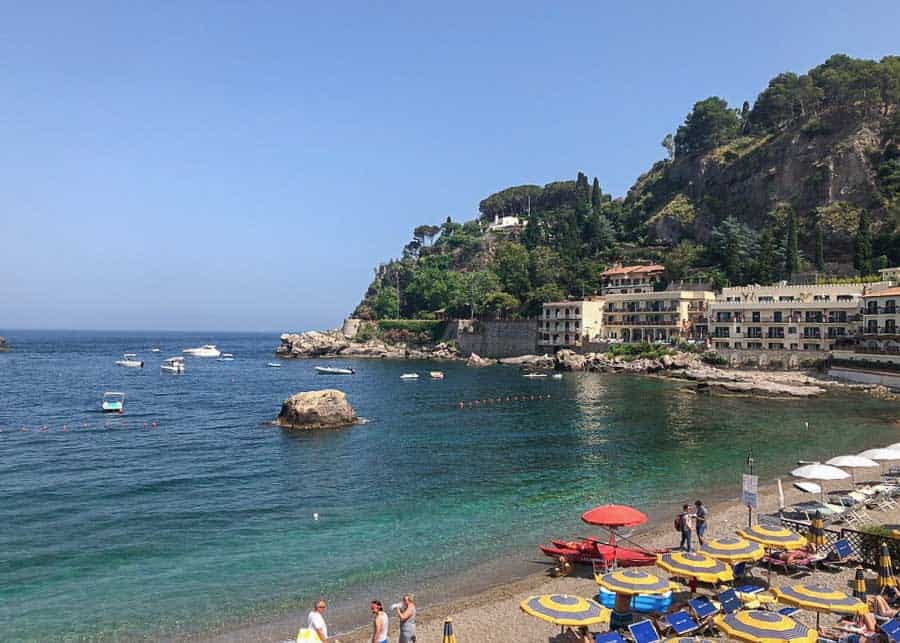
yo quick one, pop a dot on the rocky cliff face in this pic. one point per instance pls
(832, 164)
(334, 343)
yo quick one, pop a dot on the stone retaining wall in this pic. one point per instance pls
(495, 339)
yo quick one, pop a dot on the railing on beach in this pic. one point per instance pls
(866, 547)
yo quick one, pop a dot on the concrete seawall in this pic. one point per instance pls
(495, 339)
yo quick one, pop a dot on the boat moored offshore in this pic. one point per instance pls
(129, 360)
(333, 370)
(172, 365)
(207, 350)
(113, 402)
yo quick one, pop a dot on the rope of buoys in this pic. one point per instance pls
(84, 426)
(462, 404)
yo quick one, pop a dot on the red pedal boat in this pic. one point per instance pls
(591, 550)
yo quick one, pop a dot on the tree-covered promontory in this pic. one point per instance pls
(803, 183)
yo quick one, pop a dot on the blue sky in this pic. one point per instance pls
(244, 166)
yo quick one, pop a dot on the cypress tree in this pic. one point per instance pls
(596, 196)
(792, 261)
(862, 248)
(765, 266)
(820, 248)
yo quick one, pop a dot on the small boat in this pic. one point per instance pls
(273, 364)
(226, 357)
(557, 376)
(534, 375)
(155, 349)
(172, 365)
(207, 350)
(332, 370)
(113, 402)
(129, 360)
(591, 550)
(409, 376)
(436, 375)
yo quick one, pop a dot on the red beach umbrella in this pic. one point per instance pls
(614, 516)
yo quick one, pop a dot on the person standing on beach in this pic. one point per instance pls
(686, 520)
(406, 612)
(700, 514)
(379, 623)
(316, 620)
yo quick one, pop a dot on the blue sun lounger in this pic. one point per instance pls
(644, 632)
(682, 623)
(891, 630)
(703, 607)
(608, 637)
(730, 601)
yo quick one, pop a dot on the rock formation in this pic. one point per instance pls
(477, 362)
(3, 346)
(326, 409)
(334, 343)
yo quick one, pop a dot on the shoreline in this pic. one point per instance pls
(477, 595)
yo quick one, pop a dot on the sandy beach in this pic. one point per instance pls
(493, 616)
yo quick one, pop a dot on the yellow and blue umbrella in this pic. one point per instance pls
(705, 569)
(449, 636)
(733, 549)
(885, 568)
(817, 530)
(859, 584)
(764, 627)
(820, 598)
(565, 609)
(776, 537)
(634, 581)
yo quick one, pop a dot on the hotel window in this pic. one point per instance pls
(776, 316)
(792, 330)
(755, 316)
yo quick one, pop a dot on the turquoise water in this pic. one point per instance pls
(204, 522)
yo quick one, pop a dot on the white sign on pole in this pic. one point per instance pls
(749, 495)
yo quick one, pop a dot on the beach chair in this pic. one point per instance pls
(608, 637)
(742, 570)
(797, 562)
(703, 608)
(891, 629)
(841, 553)
(729, 601)
(788, 611)
(884, 501)
(644, 632)
(681, 623)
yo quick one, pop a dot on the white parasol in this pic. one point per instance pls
(820, 472)
(852, 462)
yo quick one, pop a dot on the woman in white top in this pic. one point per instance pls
(379, 623)
(316, 621)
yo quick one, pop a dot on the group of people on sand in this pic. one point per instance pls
(405, 611)
(688, 522)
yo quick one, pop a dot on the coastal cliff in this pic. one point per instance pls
(334, 343)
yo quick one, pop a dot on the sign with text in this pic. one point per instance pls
(749, 491)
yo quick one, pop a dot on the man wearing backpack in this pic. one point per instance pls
(685, 522)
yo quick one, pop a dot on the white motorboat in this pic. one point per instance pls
(332, 370)
(155, 349)
(207, 350)
(436, 375)
(273, 365)
(129, 360)
(534, 375)
(226, 357)
(113, 402)
(409, 376)
(557, 376)
(172, 365)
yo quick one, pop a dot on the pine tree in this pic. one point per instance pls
(862, 248)
(820, 248)
(792, 260)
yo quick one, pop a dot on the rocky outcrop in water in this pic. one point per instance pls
(3, 346)
(529, 361)
(478, 362)
(334, 343)
(326, 409)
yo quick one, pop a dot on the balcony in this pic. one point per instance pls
(881, 330)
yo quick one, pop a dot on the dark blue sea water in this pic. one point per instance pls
(189, 514)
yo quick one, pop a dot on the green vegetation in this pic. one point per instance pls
(645, 350)
(741, 196)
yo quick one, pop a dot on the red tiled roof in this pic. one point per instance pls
(631, 270)
(890, 292)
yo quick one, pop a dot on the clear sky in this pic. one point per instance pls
(245, 165)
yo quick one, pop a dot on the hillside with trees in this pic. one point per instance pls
(805, 183)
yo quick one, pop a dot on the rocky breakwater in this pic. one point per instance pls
(326, 409)
(478, 362)
(690, 366)
(334, 343)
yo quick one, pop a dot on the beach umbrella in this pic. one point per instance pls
(733, 549)
(852, 462)
(449, 636)
(565, 609)
(820, 472)
(893, 447)
(859, 584)
(820, 598)
(888, 453)
(764, 627)
(885, 569)
(634, 581)
(614, 517)
(808, 487)
(775, 537)
(817, 530)
(705, 569)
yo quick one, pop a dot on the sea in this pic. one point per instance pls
(190, 515)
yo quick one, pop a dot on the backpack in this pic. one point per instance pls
(678, 522)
